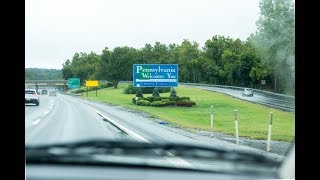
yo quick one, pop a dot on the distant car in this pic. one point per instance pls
(44, 92)
(31, 96)
(247, 92)
(52, 93)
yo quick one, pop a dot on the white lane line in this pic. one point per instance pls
(174, 160)
(36, 122)
(128, 131)
(45, 112)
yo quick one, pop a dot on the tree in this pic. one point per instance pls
(173, 92)
(117, 65)
(275, 41)
(155, 92)
(188, 53)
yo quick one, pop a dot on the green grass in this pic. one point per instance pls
(253, 118)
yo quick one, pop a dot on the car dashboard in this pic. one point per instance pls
(81, 172)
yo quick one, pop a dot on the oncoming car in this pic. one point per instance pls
(247, 92)
(31, 96)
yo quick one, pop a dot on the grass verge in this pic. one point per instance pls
(253, 118)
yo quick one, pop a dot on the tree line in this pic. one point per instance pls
(266, 55)
(42, 74)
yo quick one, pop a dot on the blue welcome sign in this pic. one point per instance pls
(155, 75)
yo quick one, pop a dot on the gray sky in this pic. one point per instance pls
(56, 29)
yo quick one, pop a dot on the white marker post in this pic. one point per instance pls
(137, 101)
(236, 124)
(211, 121)
(269, 133)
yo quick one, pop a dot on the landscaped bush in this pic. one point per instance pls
(158, 104)
(143, 103)
(168, 102)
(134, 99)
(155, 92)
(173, 93)
(177, 98)
(139, 93)
(145, 90)
(185, 103)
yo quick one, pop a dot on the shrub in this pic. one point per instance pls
(150, 99)
(105, 85)
(185, 103)
(158, 104)
(129, 90)
(155, 92)
(173, 93)
(184, 98)
(145, 90)
(84, 89)
(168, 102)
(139, 93)
(143, 103)
(134, 99)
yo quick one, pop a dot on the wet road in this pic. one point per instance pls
(67, 118)
(260, 98)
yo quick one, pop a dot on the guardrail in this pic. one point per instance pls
(257, 91)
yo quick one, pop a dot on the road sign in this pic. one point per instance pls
(263, 81)
(155, 75)
(73, 83)
(94, 83)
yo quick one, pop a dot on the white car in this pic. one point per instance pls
(247, 92)
(31, 96)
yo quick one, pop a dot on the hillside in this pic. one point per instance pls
(43, 74)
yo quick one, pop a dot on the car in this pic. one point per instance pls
(44, 92)
(52, 93)
(31, 96)
(247, 92)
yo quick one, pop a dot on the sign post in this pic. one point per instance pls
(93, 83)
(211, 124)
(269, 132)
(236, 124)
(155, 75)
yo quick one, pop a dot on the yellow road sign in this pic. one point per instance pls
(91, 83)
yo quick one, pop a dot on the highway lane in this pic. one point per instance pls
(72, 118)
(281, 104)
(58, 119)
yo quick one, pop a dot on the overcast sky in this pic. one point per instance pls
(57, 29)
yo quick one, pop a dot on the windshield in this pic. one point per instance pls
(218, 75)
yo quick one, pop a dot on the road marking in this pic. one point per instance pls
(174, 160)
(36, 122)
(45, 112)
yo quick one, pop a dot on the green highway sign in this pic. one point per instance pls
(73, 83)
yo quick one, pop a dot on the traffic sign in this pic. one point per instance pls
(155, 75)
(73, 83)
(92, 83)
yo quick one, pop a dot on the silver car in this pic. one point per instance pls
(247, 92)
(52, 93)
